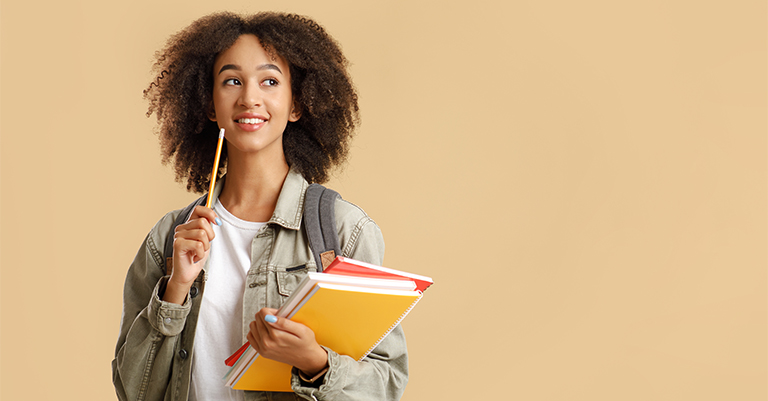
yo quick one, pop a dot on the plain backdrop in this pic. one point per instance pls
(584, 180)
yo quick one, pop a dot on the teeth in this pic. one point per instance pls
(250, 120)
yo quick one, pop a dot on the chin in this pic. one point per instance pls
(259, 147)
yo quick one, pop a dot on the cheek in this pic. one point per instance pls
(216, 101)
(285, 102)
(218, 104)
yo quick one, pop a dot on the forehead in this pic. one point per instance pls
(248, 53)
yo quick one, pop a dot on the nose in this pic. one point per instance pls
(250, 96)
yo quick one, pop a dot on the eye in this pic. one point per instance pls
(232, 81)
(269, 82)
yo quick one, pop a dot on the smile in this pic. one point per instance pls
(250, 120)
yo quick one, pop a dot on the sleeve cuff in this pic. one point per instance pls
(166, 317)
(326, 387)
(312, 380)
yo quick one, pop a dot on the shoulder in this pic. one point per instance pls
(359, 235)
(349, 214)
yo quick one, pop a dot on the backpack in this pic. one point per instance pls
(319, 220)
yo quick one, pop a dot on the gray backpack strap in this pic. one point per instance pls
(320, 223)
(181, 219)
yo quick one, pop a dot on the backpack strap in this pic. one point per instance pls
(320, 223)
(181, 219)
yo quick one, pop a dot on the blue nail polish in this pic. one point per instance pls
(218, 221)
(271, 318)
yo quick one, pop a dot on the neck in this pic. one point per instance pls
(253, 185)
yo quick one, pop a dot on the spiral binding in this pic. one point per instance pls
(407, 311)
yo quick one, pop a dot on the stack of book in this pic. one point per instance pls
(350, 307)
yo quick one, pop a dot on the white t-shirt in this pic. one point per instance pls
(219, 330)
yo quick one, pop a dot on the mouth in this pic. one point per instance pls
(249, 121)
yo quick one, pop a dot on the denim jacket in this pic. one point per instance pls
(154, 351)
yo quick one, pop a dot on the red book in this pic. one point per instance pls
(350, 267)
(234, 357)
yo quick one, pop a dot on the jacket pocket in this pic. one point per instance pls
(289, 279)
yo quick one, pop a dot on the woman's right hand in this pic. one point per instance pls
(191, 243)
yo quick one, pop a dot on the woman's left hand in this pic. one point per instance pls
(288, 342)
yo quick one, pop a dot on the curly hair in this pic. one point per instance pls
(182, 93)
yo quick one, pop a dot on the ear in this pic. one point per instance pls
(295, 113)
(211, 112)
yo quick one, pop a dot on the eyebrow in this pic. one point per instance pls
(261, 67)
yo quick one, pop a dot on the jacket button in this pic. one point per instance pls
(252, 285)
(183, 354)
(193, 292)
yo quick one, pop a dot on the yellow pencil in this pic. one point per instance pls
(215, 168)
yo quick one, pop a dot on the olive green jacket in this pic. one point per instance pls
(154, 351)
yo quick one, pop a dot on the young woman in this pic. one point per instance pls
(278, 85)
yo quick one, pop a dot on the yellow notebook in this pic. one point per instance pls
(347, 319)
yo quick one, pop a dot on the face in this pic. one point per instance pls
(252, 97)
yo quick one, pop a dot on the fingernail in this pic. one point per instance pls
(271, 318)
(218, 221)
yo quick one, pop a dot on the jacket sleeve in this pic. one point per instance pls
(144, 355)
(383, 374)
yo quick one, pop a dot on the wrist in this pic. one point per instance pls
(175, 292)
(316, 366)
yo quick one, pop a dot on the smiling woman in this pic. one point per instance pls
(252, 99)
(181, 95)
(278, 85)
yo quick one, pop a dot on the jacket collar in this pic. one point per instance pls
(290, 203)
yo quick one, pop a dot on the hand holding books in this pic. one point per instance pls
(286, 341)
(349, 309)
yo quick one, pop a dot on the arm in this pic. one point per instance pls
(383, 374)
(143, 360)
(150, 326)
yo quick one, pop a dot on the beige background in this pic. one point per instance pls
(584, 180)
